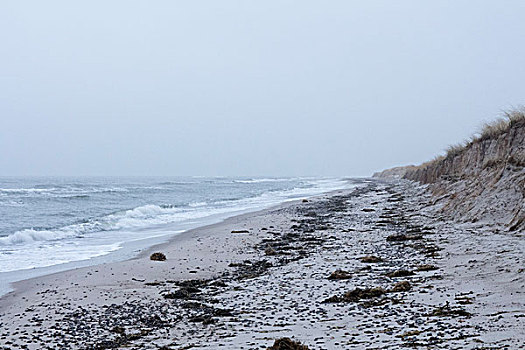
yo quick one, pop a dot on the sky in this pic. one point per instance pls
(250, 88)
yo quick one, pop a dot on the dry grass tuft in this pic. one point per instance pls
(501, 125)
(488, 131)
(516, 116)
(428, 163)
(454, 150)
(493, 129)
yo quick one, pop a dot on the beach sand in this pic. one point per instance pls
(257, 277)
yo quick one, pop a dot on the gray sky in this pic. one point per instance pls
(249, 87)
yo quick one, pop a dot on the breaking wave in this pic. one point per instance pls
(142, 216)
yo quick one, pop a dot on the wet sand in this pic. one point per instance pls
(373, 267)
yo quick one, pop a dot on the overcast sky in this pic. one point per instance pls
(250, 87)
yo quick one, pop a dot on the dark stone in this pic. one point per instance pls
(400, 273)
(402, 237)
(157, 257)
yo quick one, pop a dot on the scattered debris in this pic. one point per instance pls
(426, 267)
(447, 310)
(371, 259)
(400, 273)
(270, 251)
(182, 293)
(356, 295)
(403, 286)
(409, 334)
(340, 275)
(403, 237)
(287, 344)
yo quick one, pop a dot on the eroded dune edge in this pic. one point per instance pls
(480, 180)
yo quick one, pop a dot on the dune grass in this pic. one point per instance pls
(501, 125)
(490, 131)
(455, 149)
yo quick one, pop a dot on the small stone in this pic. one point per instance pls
(371, 259)
(340, 275)
(270, 251)
(404, 286)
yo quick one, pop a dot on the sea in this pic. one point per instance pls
(49, 224)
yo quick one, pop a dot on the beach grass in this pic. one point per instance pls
(488, 131)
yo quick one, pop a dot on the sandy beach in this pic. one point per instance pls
(262, 175)
(373, 267)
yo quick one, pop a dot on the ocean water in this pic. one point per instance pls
(50, 221)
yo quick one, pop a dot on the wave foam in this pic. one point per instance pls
(255, 181)
(151, 215)
(26, 190)
(143, 216)
(197, 204)
(31, 235)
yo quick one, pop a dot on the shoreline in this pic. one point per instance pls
(299, 273)
(245, 215)
(132, 249)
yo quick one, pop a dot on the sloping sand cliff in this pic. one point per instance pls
(482, 180)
